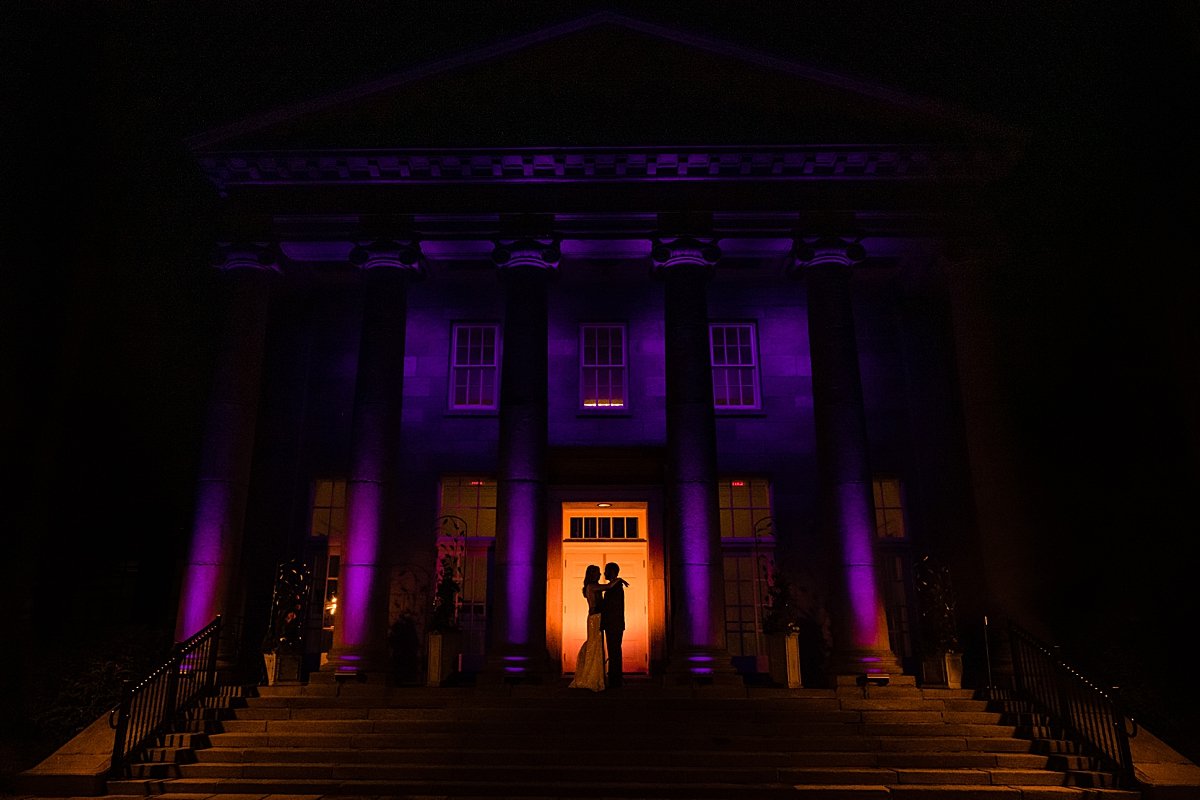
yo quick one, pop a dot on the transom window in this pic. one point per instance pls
(889, 509)
(471, 499)
(475, 359)
(329, 509)
(745, 506)
(602, 527)
(734, 365)
(602, 366)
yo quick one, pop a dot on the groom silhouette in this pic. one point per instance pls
(612, 622)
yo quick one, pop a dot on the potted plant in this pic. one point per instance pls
(444, 643)
(942, 653)
(781, 625)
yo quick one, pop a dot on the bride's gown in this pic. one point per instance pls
(589, 667)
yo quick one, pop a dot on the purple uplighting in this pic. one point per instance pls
(204, 575)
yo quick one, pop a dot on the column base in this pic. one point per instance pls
(871, 666)
(329, 677)
(347, 665)
(513, 668)
(700, 667)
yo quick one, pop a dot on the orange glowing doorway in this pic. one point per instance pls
(596, 533)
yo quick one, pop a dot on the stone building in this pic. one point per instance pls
(710, 316)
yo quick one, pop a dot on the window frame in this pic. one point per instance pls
(455, 367)
(624, 367)
(754, 366)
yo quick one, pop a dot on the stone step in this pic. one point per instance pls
(572, 729)
(634, 741)
(632, 715)
(741, 726)
(509, 755)
(194, 789)
(188, 789)
(759, 771)
(921, 792)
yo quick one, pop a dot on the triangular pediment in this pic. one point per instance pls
(604, 80)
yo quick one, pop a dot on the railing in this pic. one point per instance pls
(150, 707)
(1086, 712)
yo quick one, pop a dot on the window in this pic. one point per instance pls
(602, 527)
(466, 531)
(745, 507)
(745, 572)
(602, 366)
(889, 509)
(329, 523)
(329, 509)
(472, 500)
(894, 562)
(734, 365)
(747, 549)
(475, 360)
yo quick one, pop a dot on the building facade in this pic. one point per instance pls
(474, 333)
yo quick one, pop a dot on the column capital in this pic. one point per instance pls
(684, 251)
(537, 253)
(819, 251)
(402, 255)
(230, 256)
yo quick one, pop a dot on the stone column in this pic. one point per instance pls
(518, 647)
(860, 635)
(209, 587)
(360, 636)
(697, 600)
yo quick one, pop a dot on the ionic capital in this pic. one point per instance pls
(685, 252)
(382, 254)
(260, 256)
(825, 251)
(540, 254)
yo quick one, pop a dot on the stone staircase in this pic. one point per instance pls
(898, 742)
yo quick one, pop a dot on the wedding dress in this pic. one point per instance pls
(589, 667)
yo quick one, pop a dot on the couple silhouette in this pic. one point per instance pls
(605, 627)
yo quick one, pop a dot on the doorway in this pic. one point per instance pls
(596, 533)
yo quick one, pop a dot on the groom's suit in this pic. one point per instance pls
(612, 622)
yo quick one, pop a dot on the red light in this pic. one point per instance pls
(737, 483)
(477, 483)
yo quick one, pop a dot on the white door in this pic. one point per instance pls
(630, 554)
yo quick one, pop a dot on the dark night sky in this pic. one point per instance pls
(107, 225)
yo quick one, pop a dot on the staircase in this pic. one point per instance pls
(898, 742)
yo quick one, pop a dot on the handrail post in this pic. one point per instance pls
(117, 762)
(171, 695)
(210, 671)
(1128, 779)
(987, 658)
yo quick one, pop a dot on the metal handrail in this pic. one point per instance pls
(1092, 715)
(150, 707)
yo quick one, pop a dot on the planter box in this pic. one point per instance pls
(943, 669)
(283, 668)
(783, 659)
(441, 662)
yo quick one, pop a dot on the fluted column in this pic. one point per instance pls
(860, 635)
(697, 605)
(518, 650)
(360, 636)
(208, 587)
